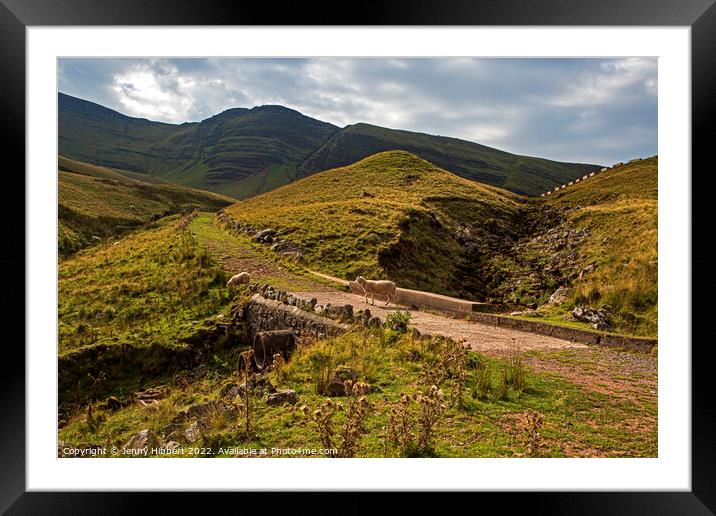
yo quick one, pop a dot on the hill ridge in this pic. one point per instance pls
(242, 152)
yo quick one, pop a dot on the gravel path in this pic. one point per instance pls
(480, 337)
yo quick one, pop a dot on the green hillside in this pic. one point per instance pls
(392, 214)
(152, 283)
(97, 202)
(243, 152)
(521, 174)
(240, 152)
(619, 210)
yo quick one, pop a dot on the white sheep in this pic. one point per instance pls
(382, 287)
(241, 278)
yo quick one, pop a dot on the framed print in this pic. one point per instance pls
(421, 252)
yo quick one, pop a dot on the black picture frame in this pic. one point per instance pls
(17, 15)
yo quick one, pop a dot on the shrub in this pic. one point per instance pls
(481, 380)
(412, 430)
(322, 365)
(515, 373)
(532, 439)
(352, 430)
(398, 321)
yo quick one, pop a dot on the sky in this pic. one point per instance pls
(598, 111)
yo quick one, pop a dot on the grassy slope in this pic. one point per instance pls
(401, 230)
(521, 174)
(149, 289)
(97, 201)
(405, 233)
(146, 289)
(578, 421)
(619, 207)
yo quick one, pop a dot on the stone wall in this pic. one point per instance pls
(571, 334)
(268, 314)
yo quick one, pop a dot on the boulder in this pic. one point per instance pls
(141, 440)
(284, 396)
(283, 246)
(265, 236)
(336, 385)
(560, 295)
(204, 411)
(599, 318)
(113, 404)
(259, 385)
(193, 433)
(366, 317)
(230, 391)
(375, 322)
(400, 326)
(346, 314)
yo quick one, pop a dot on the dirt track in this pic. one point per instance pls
(480, 337)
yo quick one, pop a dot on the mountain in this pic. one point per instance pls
(95, 203)
(243, 152)
(520, 174)
(239, 152)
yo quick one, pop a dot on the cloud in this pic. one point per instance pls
(587, 110)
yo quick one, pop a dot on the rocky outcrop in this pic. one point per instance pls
(265, 236)
(144, 439)
(281, 397)
(190, 424)
(560, 295)
(599, 318)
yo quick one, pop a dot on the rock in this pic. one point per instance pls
(282, 246)
(193, 433)
(113, 404)
(528, 313)
(374, 322)
(141, 440)
(366, 317)
(259, 386)
(285, 396)
(265, 235)
(366, 194)
(202, 413)
(296, 256)
(153, 395)
(172, 445)
(560, 295)
(588, 269)
(230, 391)
(400, 326)
(336, 385)
(599, 318)
(346, 314)
(318, 309)
(174, 429)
